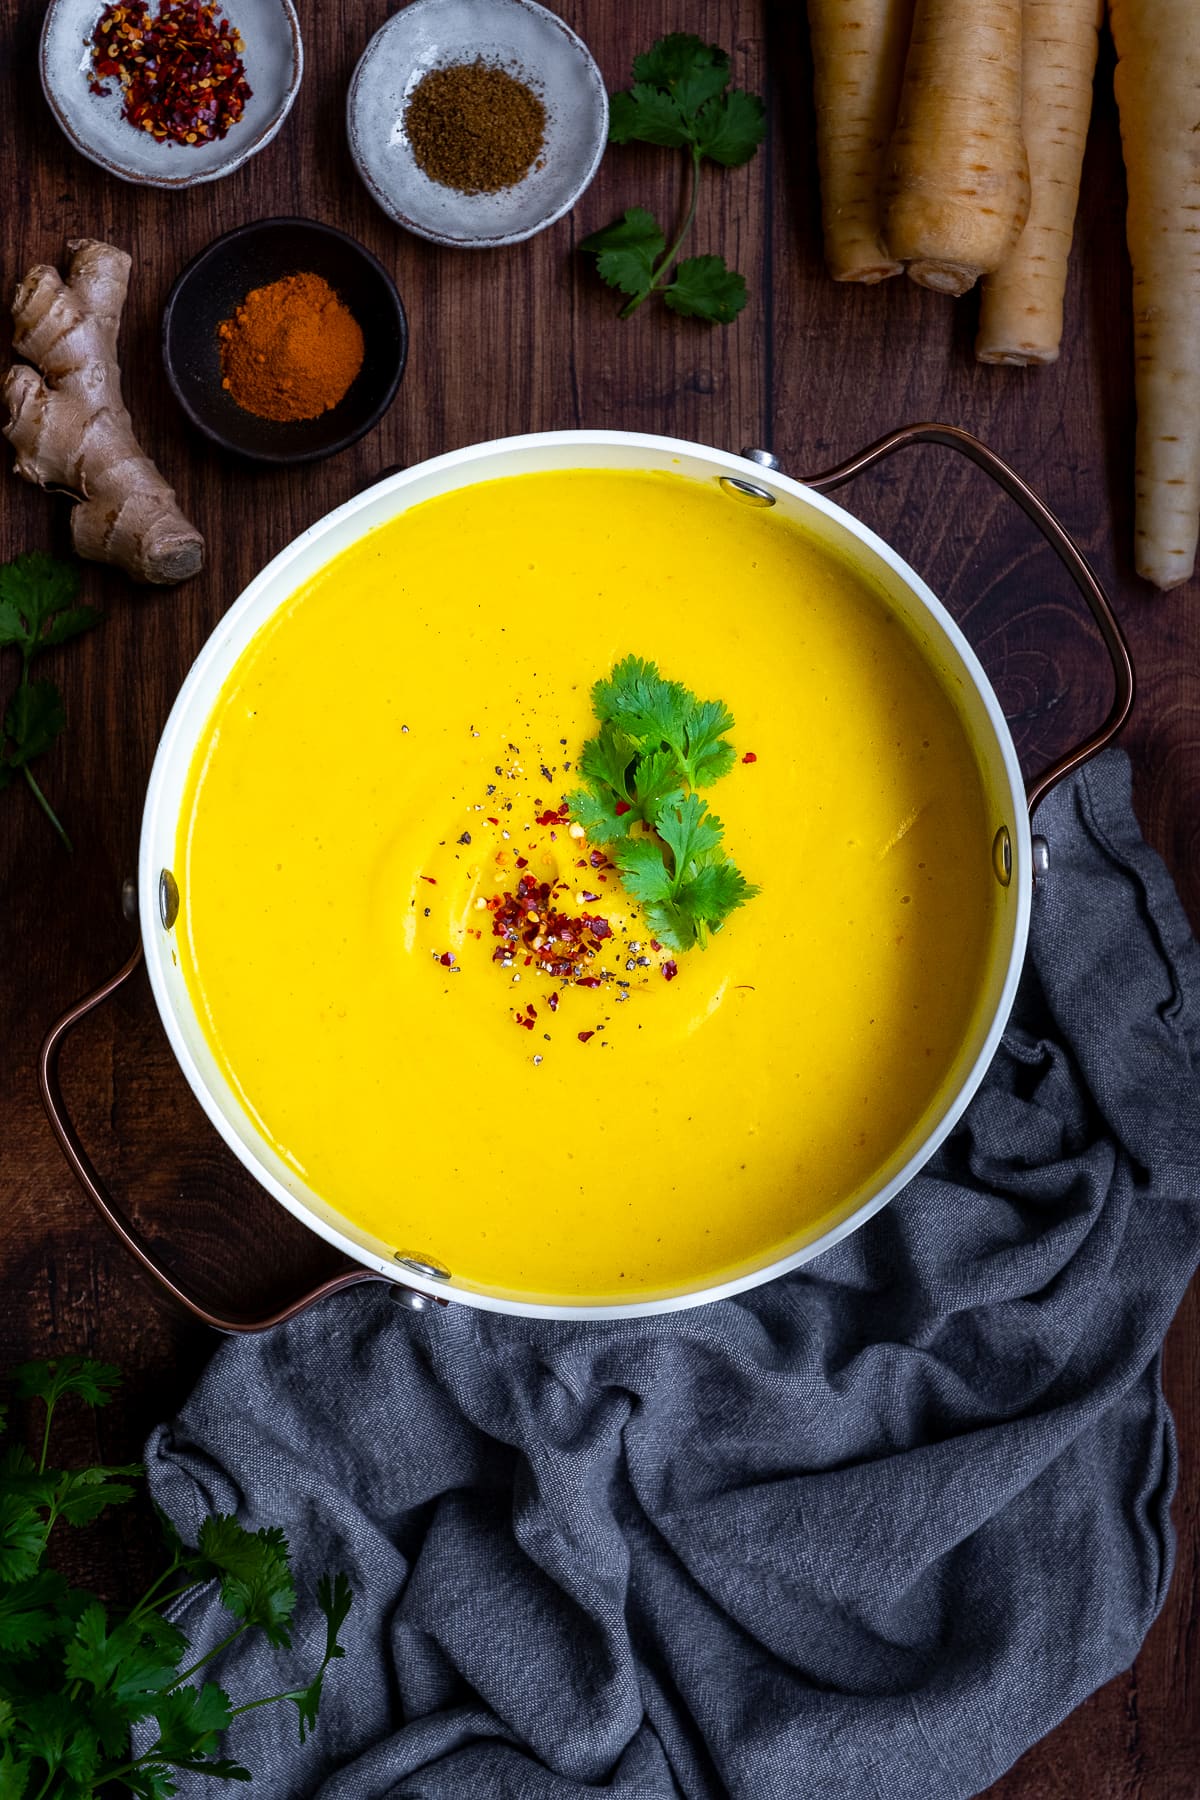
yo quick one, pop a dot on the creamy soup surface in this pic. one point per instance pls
(373, 775)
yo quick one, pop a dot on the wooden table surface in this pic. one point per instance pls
(523, 340)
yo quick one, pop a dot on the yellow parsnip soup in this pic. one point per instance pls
(391, 755)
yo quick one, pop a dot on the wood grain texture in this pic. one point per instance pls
(523, 340)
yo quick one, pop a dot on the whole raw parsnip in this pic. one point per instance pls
(1021, 308)
(957, 180)
(1157, 83)
(858, 51)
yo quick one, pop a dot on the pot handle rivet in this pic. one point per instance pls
(1041, 856)
(766, 459)
(129, 900)
(168, 899)
(410, 1298)
(1002, 856)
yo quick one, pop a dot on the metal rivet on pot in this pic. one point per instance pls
(411, 1298)
(1002, 856)
(168, 899)
(129, 905)
(746, 490)
(421, 1265)
(1041, 856)
(766, 459)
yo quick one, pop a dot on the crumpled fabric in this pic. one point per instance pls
(869, 1530)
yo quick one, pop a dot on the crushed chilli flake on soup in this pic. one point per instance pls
(444, 1004)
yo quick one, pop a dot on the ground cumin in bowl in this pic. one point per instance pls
(284, 341)
(476, 123)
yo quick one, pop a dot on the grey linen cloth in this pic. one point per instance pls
(869, 1530)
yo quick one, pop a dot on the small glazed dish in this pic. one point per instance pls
(274, 60)
(214, 284)
(517, 35)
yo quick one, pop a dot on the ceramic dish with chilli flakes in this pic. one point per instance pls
(273, 59)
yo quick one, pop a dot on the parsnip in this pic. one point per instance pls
(957, 179)
(1157, 84)
(858, 51)
(1021, 309)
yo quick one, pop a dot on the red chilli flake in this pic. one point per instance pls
(562, 944)
(583, 1036)
(622, 807)
(447, 959)
(749, 757)
(181, 71)
(670, 971)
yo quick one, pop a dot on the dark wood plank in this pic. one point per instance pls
(526, 340)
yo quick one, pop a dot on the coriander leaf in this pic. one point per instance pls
(83, 1494)
(729, 129)
(220, 1768)
(14, 1774)
(69, 624)
(669, 925)
(23, 1533)
(190, 1720)
(713, 891)
(33, 719)
(627, 251)
(708, 755)
(703, 288)
(641, 704)
(690, 831)
(605, 759)
(687, 68)
(596, 812)
(151, 1781)
(117, 1663)
(53, 1727)
(93, 1381)
(642, 870)
(30, 1613)
(655, 780)
(6, 1718)
(256, 1581)
(334, 1599)
(646, 115)
(33, 587)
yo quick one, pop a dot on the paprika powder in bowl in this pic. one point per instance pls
(322, 313)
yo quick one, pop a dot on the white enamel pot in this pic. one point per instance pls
(751, 478)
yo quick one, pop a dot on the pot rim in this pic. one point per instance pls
(227, 634)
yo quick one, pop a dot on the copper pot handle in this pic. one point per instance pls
(64, 1130)
(1064, 547)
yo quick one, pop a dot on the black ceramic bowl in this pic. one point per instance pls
(216, 282)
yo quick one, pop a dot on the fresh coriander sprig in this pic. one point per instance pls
(37, 611)
(74, 1682)
(656, 745)
(679, 100)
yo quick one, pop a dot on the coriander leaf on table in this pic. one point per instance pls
(37, 612)
(703, 288)
(646, 115)
(189, 1722)
(627, 251)
(687, 68)
(729, 129)
(93, 1381)
(678, 101)
(334, 1599)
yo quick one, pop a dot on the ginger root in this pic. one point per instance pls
(69, 426)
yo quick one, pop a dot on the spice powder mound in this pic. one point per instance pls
(475, 127)
(291, 350)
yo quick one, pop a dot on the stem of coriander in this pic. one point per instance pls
(46, 1433)
(207, 1657)
(656, 280)
(267, 1700)
(45, 805)
(104, 1776)
(136, 1612)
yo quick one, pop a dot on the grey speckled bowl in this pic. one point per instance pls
(273, 58)
(522, 37)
